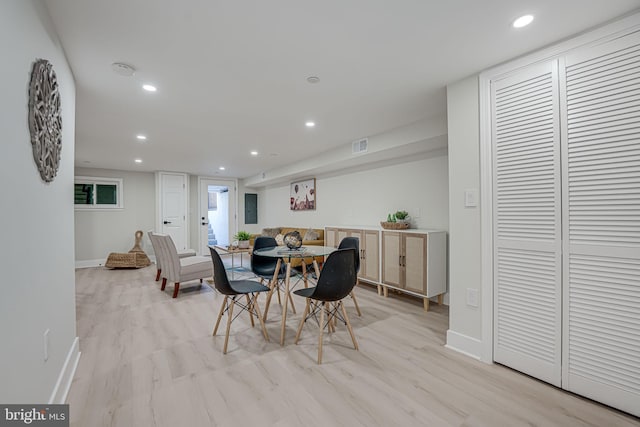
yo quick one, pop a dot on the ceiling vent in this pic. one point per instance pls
(359, 146)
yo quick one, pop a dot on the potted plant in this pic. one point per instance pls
(243, 238)
(402, 216)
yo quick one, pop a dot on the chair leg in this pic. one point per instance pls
(176, 288)
(322, 310)
(222, 307)
(250, 310)
(355, 302)
(346, 319)
(293, 307)
(304, 318)
(229, 319)
(158, 274)
(164, 283)
(255, 305)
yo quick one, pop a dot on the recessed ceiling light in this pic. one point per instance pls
(523, 21)
(122, 69)
(254, 153)
(138, 160)
(221, 168)
(149, 88)
(141, 137)
(313, 79)
(310, 124)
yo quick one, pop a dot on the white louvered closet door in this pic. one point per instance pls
(527, 228)
(601, 213)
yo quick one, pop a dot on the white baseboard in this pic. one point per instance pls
(61, 389)
(464, 344)
(89, 263)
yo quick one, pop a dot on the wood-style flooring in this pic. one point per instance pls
(150, 360)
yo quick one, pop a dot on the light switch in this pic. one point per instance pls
(470, 198)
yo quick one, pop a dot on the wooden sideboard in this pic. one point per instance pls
(409, 261)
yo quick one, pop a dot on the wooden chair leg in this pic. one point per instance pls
(222, 307)
(176, 288)
(346, 319)
(158, 274)
(164, 283)
(229, 319)
(325, 306)
(257, 308)
(304, 317)
(250, 310)
(355, 302)
(293, 307)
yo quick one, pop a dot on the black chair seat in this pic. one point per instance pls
(247, 287)
(305, 292)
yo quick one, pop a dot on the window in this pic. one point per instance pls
(97, 193)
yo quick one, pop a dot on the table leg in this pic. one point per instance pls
(286, 300)
(273, 286)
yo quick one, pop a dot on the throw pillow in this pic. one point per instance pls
(271, 232)
(311, 234)
(279, 239)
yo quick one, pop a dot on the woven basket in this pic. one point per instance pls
(394, 225)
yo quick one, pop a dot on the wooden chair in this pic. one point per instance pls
(231, 291)
(336, 281)
(353, 243)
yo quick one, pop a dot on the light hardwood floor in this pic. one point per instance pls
(150, 360)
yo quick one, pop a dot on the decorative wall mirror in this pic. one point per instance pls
(45, 121)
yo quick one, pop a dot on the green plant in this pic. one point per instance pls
(242, 235)
(402, 215)
(391, 218)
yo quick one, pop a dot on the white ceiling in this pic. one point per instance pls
(231, 75)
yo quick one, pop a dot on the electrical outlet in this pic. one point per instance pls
(46, 345)
(472, 297)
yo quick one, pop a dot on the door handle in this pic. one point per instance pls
(205, 223)
(166, 222)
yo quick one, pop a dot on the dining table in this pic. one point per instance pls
(286, 255)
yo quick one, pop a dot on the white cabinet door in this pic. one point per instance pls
(527, 227)
(601, 155)
(414, 260)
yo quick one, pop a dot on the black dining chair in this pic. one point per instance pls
(231, 291)
(336, 281)
(353, 243)
(265, 268)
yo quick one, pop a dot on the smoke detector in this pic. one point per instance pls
(123, 69)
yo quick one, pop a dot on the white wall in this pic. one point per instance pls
(99, 233)
(367, 196)
(465, 322)
(37, 260)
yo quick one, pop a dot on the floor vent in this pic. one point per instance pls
(359, 146)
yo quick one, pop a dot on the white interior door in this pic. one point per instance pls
(527, 227)
(601, 156)
(173, 207)
(217, 212)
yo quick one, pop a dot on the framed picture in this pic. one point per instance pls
(303, 195)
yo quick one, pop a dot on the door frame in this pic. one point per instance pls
(233, 208)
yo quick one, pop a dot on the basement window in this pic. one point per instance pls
(91, 193)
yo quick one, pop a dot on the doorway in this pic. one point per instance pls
(217, 212)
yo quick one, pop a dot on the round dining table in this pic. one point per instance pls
(286, 255)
